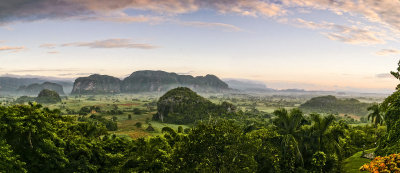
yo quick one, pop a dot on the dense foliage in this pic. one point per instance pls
(48, 96)
(330, 104)
(181, 105)
(389, 163)
(37, 139)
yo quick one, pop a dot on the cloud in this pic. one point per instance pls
(298, 22)
(382, 11)
(384, 52)
(122, 17)
(223, 26)
(14, 49)
(48, 46)
(28, 10)
(75, 74)
(349, 34)
(384, 75)
(355, 35)
(40, 70)
(53, 52)
(112, 43)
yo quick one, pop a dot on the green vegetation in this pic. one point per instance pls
(184, 132)
(38, 139)
(182, 106)
(332, 105)
(353, 163)
(48, 96)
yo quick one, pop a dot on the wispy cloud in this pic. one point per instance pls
(112, 43)
(122, 17)
(384, 75)
(384, 12)
(384, 52)
(53, 52)
(355, 35)
(348, 34)
(13, 49)
(309, 24)
(27, 10)
(48, 46)
(223, 26)
(75, 74)
(40, 70)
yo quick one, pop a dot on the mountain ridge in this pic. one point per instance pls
(147, 81)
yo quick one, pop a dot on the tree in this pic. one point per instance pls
(138, 125)
(375, 116)
(48, 96)
(9, 162)
(289, 125)
(397, 74)
(215, 146)
(31, 133)
(320, 127)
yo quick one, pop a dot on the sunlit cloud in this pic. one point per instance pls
(384, 12)
(223, 26)
(40, 70)
(111, 43)
(53, 52)
(11, 11)
(75, 74)
(355, 35)
(13, 49)
(122, 17)
(348, 34)
(384, 75)
(384, 52)
(48, 46)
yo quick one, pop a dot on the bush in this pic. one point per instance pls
(150, 128)
(137, 111)
(389, 163)
(319, 161)
(138, 125)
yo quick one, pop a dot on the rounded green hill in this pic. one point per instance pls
(48, 96)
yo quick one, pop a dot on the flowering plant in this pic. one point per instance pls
(389, 164)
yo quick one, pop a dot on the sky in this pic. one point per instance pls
(344, 45)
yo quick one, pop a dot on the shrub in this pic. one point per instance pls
(389, 163)
(138, 125)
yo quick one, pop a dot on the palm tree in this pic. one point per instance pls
(289, 125)
(320, 126)
(375, 116)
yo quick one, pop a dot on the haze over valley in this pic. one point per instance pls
(225, 86)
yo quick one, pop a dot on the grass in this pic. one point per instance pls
(354, 162)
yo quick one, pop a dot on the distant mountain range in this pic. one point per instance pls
(141, 81)
(32, 86)
(247, 85)
(35, 89)
(146, 81)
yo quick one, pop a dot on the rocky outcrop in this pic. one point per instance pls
(97, 84)
(150, 81)
(146, 81)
